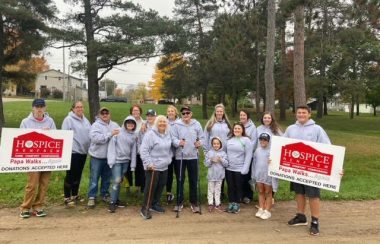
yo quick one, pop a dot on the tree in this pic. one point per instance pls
(22, 34)
(113, 33)
(157, 83)
(108, 85)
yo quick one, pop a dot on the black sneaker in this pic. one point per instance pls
(112, 207)
(25, 214)
(314, 228)
(120, 204)
(157, 208)
(40, 213)
(299, 219)
(145, 213)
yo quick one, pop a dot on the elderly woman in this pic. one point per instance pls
(156, 155)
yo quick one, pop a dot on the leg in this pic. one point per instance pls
(192, 170)
(106, 175)
(69, 178)
(218, 189)
(247, 192)
(139, 174)
(77, 174)
(260, 189)
(314, 206)
(117, 177)
(301, 202)
(95, 168)
(231, 186)
(268, 197)
(239, 186)
(162, 177)
(42, 190)
(30, 189)
(147, 191)
(169, 182)
(210, 193)
(180, 179)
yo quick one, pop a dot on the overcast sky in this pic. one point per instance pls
(133, 72)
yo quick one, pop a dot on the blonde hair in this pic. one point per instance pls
(174, 108)
(160, 118)
(210, 123)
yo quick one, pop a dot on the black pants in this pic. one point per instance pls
(192, 172)
(139, 174)
(247, 192)
(74, 175)
(158, 184)
(169, 182)
(234, 182)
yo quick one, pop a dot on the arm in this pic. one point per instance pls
(133, 155)
(224, 160)
(248, 156)
(175, 136)
(145, 149)
(111, 152)
(206, 144)
(322, 136)
(66, 125)
(97, 136)
(207, 161)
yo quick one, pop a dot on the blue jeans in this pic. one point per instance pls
(99, 168)
(118, 171)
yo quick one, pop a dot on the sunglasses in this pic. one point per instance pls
(104, 113)
(186, 113)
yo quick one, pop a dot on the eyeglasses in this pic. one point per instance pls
(104, 113)
(186, 113)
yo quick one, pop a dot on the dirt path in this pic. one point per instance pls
(341, 222)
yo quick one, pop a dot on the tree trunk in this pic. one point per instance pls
(299, 77)
(352, 107)
(257, 79)
(269, 61)
(374, 110)
(284, 77)
(320, 105)
(357, 105)
(2, 63)
(92, 64)
(325, 105)
(204, 102)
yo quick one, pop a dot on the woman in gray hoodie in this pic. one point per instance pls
(121, 155)
(156, 154)
(78, 123)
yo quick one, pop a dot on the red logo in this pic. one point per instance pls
(304, 157)
(36, 145)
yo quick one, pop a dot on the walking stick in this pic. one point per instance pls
(149, 194)
(199, 183)
(179, 181)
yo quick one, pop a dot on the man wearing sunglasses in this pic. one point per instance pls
(187, 136)
(101, 132)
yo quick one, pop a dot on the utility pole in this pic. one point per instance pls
(64, 70)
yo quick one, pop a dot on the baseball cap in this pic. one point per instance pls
(264, 136)
(185, 108)
(103, 109)
(38, 102)
(151, 112)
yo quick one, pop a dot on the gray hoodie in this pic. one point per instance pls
(239, 153)
(81, 128)
(310, 131)
(122, 148)
(260, 168)
(219, 129)
(190, 132)
(156, 149)
(216, 169)
(140, 135)
(31, 123)
(250, 131)
(100, 135)
(265, 129)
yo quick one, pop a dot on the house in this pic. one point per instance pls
(10, 89)
(54, 80)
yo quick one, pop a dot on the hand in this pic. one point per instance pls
(143, 127)
(115, 132)
(269, 160)
(182, 143)
(341, 173)
(218, 159)
(151, 167)
(46, 128)
(197, 143)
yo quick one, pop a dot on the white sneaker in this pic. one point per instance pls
(266, 215)
(259, 213)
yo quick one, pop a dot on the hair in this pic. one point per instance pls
(246, 112)
(304, 107)
(74, 104)
(232, 130)
(174, 108)
(220, 142)
(135, 106)
(210, 123)
(274, 127)
(159, 118)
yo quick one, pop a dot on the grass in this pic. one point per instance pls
(360, 136)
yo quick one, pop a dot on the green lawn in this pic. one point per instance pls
(360, 136)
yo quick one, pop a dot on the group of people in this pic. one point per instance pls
(155, 148)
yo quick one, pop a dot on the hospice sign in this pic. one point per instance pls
(309, 163)
(27, 150)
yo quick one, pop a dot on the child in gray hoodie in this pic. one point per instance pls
(216, 162)
(120, 154)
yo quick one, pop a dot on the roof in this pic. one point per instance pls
(58, 71)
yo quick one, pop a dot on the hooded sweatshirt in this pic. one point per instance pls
(100, 135)
(219, 129)
(190, 132)
(216, 169)
(260, 168)
(32, 123)
(81, 128)
(122, 148)
(140, 135)
(156, 149)
(250, 131)
(265, 129)
(309, 131)
(239, 153)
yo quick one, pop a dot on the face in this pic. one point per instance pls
(263, 143)
(105, 115)
(219, 112)
(162, 125)
(78, 109)
(171, 114)
(150, 119)
(303, 115)
(267, 119)
(130, 126)
(186, 115)
(136, 113)
(243, 117)
(38, 111)
(238, 130)
(216, 144)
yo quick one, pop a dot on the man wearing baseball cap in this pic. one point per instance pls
(37, 181)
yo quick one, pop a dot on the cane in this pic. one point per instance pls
(179, 181)
(149, 194)
(199, 183)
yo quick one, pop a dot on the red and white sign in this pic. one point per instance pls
(35, 150)
(305, 162)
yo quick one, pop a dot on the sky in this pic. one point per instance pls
(131, 73)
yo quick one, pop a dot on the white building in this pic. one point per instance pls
(10, 89)
(70, 86)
